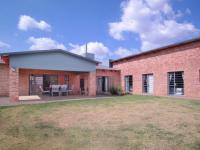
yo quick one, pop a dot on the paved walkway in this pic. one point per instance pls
(4, 101)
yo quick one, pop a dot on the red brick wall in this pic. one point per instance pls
(13, 84)
(4, 76)
(92, 83)
(181, 58)
(113, 74)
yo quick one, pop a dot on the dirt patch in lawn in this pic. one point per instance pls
(167, 116)
(169, 123)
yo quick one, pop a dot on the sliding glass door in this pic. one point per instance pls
(36, 82)
(41, 82)
(102, 84)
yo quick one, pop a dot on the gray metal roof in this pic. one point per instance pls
(157, 49)
(46, 51)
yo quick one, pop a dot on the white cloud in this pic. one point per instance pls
(123, 52)
(154, 21)
(101, 52)
(27, 22)
(4, 45)
(44, 43)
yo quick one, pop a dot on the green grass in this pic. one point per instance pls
(127, 122)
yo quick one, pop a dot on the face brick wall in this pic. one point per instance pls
(13, 84)
(181, 58)
(4, 76)
(92, 84)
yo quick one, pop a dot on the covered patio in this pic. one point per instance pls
(39, 82)
(34, 73)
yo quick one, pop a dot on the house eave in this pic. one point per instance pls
(13, 53)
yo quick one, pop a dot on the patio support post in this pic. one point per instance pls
(14, 84)
(92, 83)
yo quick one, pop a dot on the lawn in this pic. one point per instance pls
(118, 123)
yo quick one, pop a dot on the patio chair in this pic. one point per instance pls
(43, 91)
(63, 89)
(71, 89)
(55, 89)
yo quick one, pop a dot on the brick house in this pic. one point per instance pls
(172, 70)
(24, 73)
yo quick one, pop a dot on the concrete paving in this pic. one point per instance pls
(4, 101)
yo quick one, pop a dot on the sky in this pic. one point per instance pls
(111, 28)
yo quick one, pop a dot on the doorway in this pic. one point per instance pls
(82, 84)
(36, 81)
(148, 83)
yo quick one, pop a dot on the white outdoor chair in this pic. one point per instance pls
(63, 89)
(44, 92)
(71, 89)
(55, 89)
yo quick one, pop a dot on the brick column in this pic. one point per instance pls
(92, 83)
(14, 84)
(76, 84)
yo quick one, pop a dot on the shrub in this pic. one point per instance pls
(113, 91)
(116, 90)
(119, 91)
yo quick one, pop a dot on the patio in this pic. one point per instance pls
(36, 82)
(35, 99)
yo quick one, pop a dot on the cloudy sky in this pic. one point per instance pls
(112, 28)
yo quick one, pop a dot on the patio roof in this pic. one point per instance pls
(11, 53)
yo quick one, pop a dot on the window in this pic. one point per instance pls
(176, 83)
(128, 84)
(148, 83)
